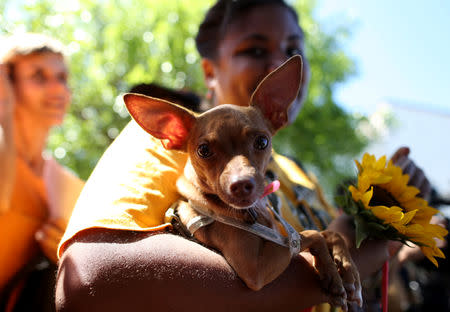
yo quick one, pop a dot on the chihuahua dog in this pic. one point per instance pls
(229, 148)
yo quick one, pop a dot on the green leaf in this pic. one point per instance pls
(341, 201)
(350, 208)
(375, 226)
(367, 214)
(361, 231)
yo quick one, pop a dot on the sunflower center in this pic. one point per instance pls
(381, 197)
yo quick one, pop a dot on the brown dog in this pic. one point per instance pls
(229, 148)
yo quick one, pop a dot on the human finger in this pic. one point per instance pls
(400, 153)
(420, 181)
(49, 236)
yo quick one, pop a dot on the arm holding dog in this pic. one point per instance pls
(168, 272)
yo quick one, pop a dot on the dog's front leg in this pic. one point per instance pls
(338, 273)
(330, 280)
(255, 260)
(345, 265)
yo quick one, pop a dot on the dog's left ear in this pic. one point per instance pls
(166, 121)
(276, 92)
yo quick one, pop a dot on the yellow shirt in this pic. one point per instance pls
(131, 187)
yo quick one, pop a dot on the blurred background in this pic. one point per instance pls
(379, 76)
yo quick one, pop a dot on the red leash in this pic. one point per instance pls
(384, 286)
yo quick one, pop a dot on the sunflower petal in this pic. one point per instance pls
(428, 252)
(407, 217)
(388, 215)
(409, 193)
(367, 197)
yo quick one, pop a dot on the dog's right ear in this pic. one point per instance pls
(278, 90)
(164, 120)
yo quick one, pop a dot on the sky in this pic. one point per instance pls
(402, 53)
(401, 49)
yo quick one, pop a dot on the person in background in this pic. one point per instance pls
(37, 194)
(118, 252)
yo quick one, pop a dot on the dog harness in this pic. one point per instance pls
(206, 217)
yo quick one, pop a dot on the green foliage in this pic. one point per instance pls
(113, 45)
(116, 44)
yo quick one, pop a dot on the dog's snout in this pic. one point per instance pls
(243, 187)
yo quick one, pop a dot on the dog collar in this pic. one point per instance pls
(198, 222)
(292, 241)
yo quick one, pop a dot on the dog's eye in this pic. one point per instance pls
(261, 142)
(203, 151)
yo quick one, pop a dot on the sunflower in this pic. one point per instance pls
(386, 207)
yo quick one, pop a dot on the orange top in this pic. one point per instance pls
(32, 199)
(19, 224)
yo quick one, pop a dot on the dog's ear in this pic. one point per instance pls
(164, 120)
(276, 92)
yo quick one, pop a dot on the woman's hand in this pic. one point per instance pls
(48, 237)
(417, 177)
(372, 253)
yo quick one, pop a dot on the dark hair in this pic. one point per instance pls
(220, 15)
(187, 99)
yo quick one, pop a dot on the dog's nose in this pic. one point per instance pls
(243, 187)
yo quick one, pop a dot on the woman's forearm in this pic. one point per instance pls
(7, 154)
(169, 273)
(7, 148)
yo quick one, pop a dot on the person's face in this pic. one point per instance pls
(254, 44)
(40, 84)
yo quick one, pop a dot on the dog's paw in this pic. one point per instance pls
(345, 266)
(330, 279)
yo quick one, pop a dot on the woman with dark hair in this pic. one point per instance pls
(118, 254)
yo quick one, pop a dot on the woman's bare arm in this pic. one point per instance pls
(7, 148)
(108, 270)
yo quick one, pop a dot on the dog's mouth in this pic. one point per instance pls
(243, 204)
(240, 202)
(236, 203)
